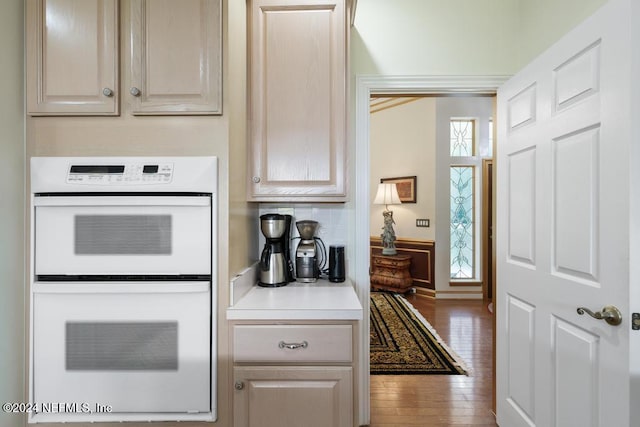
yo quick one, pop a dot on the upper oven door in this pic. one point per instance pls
(122, 235)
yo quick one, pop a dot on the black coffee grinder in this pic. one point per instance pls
(276, 268)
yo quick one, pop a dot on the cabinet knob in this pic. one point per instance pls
(107, 92)
(135, 91)
(239, 385)
(256, 179)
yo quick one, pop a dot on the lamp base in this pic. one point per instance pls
(388, 236)
(389, 251)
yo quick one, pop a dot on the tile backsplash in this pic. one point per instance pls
(332, 219)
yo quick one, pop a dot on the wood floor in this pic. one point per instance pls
(442, 400)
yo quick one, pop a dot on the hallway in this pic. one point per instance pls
(442, 400)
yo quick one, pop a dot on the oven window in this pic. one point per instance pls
(122, 234)
(118, 346)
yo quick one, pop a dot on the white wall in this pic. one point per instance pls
(12, 325)
(403, 143)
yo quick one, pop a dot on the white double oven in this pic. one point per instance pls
(123, 267)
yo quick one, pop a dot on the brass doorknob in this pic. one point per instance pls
(609, 314)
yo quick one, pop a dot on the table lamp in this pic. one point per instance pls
(387, 195)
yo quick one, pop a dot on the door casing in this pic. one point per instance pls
(397, 85)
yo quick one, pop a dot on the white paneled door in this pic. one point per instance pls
(565, 211)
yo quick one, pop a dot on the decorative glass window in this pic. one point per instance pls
(462, 222)
(462, 138)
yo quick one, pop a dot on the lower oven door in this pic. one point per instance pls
(123, 235)
(120, 351)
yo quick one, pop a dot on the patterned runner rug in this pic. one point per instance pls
(402, 342)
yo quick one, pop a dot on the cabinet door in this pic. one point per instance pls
(293, 396)
(72, 57)
(175, 57)
(297, 100)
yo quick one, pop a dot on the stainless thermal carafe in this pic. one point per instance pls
(274, 261)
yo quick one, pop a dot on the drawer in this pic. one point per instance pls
(292, 343)
(397, 261)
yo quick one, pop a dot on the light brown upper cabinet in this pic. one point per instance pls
(173, 57)
(297, 100)
(72, 57)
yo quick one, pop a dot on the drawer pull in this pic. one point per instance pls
(293, 346)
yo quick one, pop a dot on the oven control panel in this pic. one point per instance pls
(122, 174)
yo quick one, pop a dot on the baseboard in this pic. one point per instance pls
(447, 294)
(425, 293)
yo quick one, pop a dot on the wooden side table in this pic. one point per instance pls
(391, 272)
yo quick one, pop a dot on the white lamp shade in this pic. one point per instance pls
(387, 195)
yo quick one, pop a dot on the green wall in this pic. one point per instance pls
(458, 37)
(12, 325)
(434, 37)
(541, 22)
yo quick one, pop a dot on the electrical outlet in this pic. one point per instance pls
(422, 222)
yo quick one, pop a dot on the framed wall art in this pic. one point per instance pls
(406, 186)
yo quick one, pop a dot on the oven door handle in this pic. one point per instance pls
(122, 201)
(120, 287)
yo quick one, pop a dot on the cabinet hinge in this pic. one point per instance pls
(635, 321)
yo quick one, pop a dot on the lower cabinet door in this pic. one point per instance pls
(293, 396)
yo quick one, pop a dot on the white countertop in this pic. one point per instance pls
(321, 300)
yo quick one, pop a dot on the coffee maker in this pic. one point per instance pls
(276, 268)
(307, 253)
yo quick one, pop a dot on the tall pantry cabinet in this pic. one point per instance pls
(297, 100)
(74, 52)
